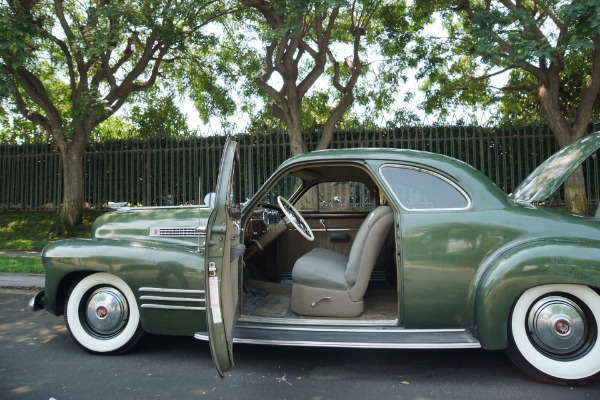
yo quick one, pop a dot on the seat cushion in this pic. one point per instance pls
(321, 268)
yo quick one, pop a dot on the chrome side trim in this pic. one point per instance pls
(191, 232)
(314, 321)
(359, 345)
(122, 209)
(162, 298)
(334, 230)
(351, 330)
(167, 307)
(165, 290)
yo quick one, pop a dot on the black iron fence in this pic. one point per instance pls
(173, 171)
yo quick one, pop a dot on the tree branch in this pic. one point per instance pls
(274, 20)
(517, 88)
(37, 92)
(32, 116)
(589, 94)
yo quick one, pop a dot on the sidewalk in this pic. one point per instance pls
(11, 280)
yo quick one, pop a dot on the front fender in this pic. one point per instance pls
(139, 264)
(524, 267)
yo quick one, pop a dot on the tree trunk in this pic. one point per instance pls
(294, 127)
(575, 195)
(71, 210)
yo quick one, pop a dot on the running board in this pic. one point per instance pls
(353, 338)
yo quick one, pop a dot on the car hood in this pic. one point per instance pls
(548, 177)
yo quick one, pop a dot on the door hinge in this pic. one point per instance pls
(212, 269)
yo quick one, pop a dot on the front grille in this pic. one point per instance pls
(177, 232)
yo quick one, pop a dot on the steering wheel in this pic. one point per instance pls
(295, 218)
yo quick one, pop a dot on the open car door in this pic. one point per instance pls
(223, 260)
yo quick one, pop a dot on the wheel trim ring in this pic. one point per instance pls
(558, 327)
(77, 330)
(119, 305)
(575, 369)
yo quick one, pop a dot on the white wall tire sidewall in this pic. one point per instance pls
(581, 368)
(79, 333)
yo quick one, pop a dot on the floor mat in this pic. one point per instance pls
(267, 299)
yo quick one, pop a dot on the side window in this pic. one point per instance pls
(337, 197)
(417, 189)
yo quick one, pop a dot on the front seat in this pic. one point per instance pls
(330, 284)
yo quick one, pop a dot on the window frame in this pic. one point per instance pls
(429, 172)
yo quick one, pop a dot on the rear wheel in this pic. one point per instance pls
(101, 314)
(553, 334)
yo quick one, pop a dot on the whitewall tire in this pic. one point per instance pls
(102, 315)
(553, 334)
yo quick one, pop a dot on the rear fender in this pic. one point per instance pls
(534, 264)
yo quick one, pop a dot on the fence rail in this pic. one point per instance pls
(172, 171)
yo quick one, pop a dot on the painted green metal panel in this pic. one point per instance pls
(220, 319)
(531, 264)
(140, 264)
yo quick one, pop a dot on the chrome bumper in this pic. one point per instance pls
(35, 304)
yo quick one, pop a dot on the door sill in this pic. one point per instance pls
(353, 337)
(247, 319)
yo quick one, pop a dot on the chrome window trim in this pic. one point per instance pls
(426, 171)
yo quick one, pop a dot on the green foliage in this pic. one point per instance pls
(16, 129)
(524, 106)
(29, 231)
(483, 41)
(159, 116)
(90, 58)
(23, 265)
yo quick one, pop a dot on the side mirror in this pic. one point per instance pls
(209, 200)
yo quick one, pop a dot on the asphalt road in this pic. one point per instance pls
(38, 360)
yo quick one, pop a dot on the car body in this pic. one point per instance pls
(405, 249)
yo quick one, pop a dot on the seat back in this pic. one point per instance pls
(366, 248)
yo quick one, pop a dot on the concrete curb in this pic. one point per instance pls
(11, 280)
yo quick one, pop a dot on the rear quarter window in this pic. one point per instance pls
(418, 189)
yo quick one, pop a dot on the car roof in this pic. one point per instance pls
(473, 181)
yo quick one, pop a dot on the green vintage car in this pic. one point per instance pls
(371, 248)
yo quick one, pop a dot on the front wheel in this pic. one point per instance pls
(553, 334)
(101, 314)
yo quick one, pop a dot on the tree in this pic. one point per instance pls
(300, 37)
(538, 41)
(68, 66)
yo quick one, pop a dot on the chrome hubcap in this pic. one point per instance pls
(106, 311)
(557, 325)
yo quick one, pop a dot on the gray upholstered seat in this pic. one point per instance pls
(331, 284)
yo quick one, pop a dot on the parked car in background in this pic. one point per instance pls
(371, 248)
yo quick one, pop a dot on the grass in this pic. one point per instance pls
(30, 230)
(24, 265)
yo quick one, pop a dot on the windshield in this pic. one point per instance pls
(286, 187)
